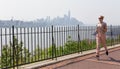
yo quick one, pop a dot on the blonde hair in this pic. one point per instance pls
(101, 17)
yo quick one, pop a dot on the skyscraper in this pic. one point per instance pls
(69, 14)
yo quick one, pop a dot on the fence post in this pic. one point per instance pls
(111, 33)
(53, 46)
(13, 47)
(119, 35)
(79, 46)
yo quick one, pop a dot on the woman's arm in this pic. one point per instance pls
(104, 27)
(96, 29)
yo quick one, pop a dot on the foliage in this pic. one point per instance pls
(13, 54)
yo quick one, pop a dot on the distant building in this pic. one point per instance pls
(58, 21)
(69, 15)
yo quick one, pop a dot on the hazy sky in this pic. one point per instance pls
(86, 11)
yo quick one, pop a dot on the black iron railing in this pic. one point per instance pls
(20, 45)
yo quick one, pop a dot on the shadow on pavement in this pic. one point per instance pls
(110, 59)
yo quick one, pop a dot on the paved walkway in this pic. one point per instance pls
(90, 62)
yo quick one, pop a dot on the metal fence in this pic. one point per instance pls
(21, 45)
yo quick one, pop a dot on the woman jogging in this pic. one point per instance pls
(101, 36)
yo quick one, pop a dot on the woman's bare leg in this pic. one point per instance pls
(97, 45)
(104, 44)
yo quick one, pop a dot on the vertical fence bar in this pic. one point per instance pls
(67, 31)
(80, 30)
(111, 34)
(35, 44)
(119, 33)
(113, 27)
(53, 46)
(60, 40)
(58, 48)
(113, 31)
(65, 36)
(84, 30)
(76, 37)
(79, 46)
(72, 28)
(1, 48)
(62, 44)
(28, 45)
(87, 39)
(16, 54)
(55, 42)
(21, 45)
(93, 39)
(50, 40)
(55, 38)
(47, 42)
(13, 46)
(31, 45)
(38, 43)
(6, 48)
(41, 42)
(44, 42)
(60, 34)
(71, 38)
(24, 45)
(10, 47)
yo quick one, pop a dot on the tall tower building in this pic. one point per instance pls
(69, 14)
(69, 17)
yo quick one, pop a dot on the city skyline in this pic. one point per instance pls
(66, 20)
